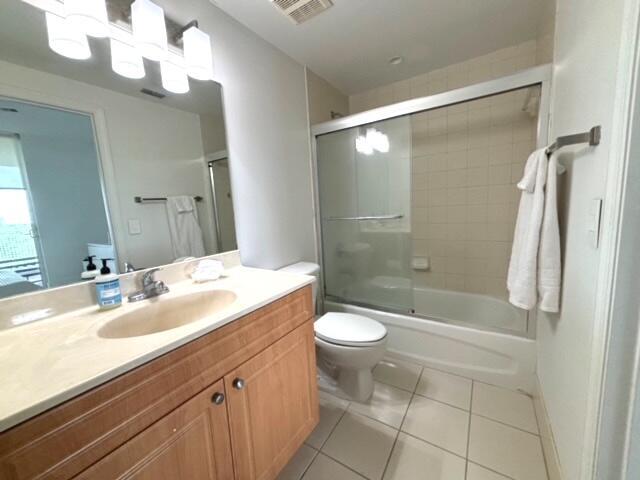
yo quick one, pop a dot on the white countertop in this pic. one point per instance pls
(50, 361)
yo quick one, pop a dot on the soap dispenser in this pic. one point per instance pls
(91, 270)
(108, 287)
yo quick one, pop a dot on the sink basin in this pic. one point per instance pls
(164, 313)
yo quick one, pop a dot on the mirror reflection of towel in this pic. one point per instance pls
(185, 232)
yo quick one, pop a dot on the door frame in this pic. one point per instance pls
(42, 264)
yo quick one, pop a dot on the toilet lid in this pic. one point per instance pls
(349, 329)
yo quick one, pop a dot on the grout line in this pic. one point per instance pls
(395, 441)
(433, 445)
(490, 469)
(315, 455)
(466, 465)
(343, 464)
(442, 403)
(506, 424)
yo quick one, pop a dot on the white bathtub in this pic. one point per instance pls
(496, 358)
(471, 309)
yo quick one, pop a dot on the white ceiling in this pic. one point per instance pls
(350, 43)
(23, 40)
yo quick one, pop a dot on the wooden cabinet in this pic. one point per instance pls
(192, 442)
(273, 405)
(160, 421)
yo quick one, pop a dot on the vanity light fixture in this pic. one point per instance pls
(126, 60)
(88, 16)
(187, 54)
(65, 39)
(174, 78)
(149, 30)
(197, 53)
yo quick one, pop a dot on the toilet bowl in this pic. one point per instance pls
(348, 347)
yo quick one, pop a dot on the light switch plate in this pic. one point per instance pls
(595, 215)
(134, 226)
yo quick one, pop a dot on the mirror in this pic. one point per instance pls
(95, 164)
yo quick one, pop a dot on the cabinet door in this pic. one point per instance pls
(192, 442)
(273, 405)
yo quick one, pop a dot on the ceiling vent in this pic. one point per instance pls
(300, 11)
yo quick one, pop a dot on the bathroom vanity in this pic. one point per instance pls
(234, 402)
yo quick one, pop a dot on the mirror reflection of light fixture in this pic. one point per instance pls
(149, 30)
(88, 16)
(65, 39)
(126, 60)
(197, 54)
(174, 78)
(372, 140)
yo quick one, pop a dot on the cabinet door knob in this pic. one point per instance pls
(238, 384)
(218, 398)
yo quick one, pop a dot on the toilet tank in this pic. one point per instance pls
(305, 268)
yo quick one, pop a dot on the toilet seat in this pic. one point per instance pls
(349, 330)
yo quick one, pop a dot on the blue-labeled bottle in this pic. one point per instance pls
(108, 288)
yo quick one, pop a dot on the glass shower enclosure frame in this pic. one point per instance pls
(539, 76)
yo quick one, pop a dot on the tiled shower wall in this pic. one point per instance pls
(487, 67)
(466, 160)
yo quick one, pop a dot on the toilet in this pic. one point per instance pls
(348, 346)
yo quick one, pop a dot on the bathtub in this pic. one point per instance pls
(496, 358)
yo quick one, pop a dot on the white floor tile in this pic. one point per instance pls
(398, 373)
(446, 388)
(442, 425)
(331, 409)
(412, 458)
(387, 404)
(505, 406)
(505, 449)
(361, 443)
(298, 464)
(324, 468)
(476, 472)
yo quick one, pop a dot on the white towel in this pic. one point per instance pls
(549, 264)
(535, 257)
(186, 236)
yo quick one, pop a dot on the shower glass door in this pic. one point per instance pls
(364, 177)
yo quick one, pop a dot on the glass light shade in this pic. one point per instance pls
(65, 39)
(174, 78)
(149, 30)
(88, 16)
(197, 54)
(126, 60)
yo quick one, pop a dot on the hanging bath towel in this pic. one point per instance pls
(535, 258)
(186, 236)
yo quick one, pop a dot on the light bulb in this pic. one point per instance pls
(197, 54)
(65, 39)
(174, 78)
(126, 60)
(88, 16)
(149, 30)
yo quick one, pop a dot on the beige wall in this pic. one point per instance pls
(323, 99)
(494, 65)
(466, 160)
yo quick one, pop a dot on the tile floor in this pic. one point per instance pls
(423, 424)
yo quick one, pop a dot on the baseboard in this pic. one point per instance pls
(546, 434)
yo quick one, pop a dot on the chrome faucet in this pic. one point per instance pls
(150, 287)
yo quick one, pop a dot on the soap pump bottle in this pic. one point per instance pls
(108, 287)
(91, 271)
